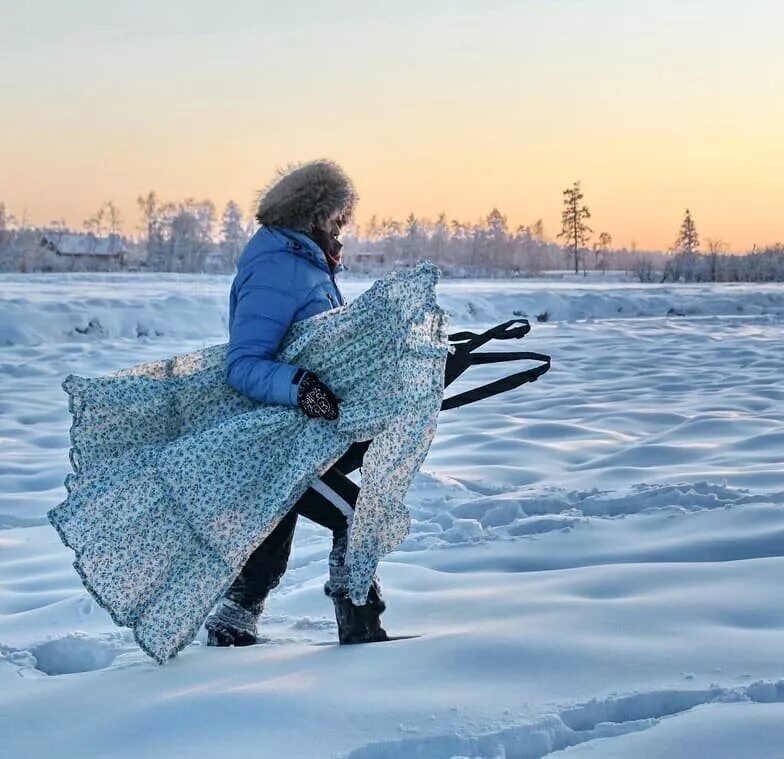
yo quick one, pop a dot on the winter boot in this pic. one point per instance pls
(359, 624)
(356, 624)
(232, 625)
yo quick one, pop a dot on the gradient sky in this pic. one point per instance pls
(456, 106)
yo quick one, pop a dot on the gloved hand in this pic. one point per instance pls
(316, 399)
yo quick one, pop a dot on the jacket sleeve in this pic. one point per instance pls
(264, 309)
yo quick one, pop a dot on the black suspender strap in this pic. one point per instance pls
(499, 386)
(463, 357)
(505, 331)
(458, 361)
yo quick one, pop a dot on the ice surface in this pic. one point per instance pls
(595, 559)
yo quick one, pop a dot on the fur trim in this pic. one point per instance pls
(306, 194)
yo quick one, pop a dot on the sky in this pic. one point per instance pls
(450, 106)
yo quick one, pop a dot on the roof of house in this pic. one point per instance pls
(70, 244)
(367, 253)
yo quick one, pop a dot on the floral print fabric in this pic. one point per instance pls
(177, 477)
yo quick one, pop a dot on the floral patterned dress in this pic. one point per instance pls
(177, 477)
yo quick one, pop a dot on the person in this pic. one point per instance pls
(285, 274)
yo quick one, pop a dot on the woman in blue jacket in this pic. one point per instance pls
(285, 274)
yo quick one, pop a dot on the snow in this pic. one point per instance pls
(594, 563)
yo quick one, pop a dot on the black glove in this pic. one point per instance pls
(315, 398)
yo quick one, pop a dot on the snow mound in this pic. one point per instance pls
(36, 309)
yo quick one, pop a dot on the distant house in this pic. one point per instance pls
(216, 261)
(87, 252)
(364, 260)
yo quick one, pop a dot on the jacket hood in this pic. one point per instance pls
(306, 194)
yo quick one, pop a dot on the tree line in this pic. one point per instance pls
(190, 236)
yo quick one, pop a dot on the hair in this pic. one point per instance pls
(303, 196)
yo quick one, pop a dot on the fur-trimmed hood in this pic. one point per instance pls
(306, 194)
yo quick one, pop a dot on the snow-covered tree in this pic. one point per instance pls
(412, 239)
(601, 250)
(7, 256)
(186, 232)
(716, 248)
(440, 236)
(496, 225)
(373, 229)
(233, 234)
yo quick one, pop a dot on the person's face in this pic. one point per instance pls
(327, 234)
(334, 225)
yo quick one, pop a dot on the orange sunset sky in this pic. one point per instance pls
(430, 106)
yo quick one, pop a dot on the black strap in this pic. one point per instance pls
(503, 331)
(494, 388)
(458, 361)
(466, 342)
(497, 358)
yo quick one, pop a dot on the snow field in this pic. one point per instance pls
(595, 559)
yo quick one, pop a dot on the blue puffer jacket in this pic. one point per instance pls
(282, 277)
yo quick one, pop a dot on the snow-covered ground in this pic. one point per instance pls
(595, 563)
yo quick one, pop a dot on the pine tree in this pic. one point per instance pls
(687, 242)
(574, 230)
(686, 246)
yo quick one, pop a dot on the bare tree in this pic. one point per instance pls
(95, 224)
(148, 208)
(643, 268)
(151, 227)
(113, 219)
(601, 251)
(716, 248)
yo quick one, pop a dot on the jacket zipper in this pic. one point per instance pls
(337, 290)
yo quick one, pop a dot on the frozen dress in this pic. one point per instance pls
(177, 477)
